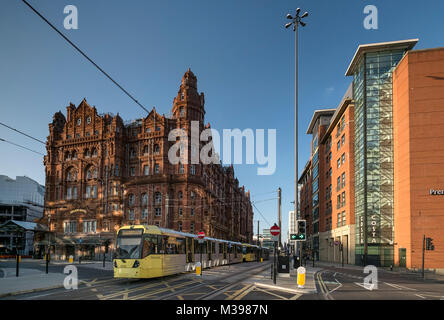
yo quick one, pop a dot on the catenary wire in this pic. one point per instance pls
(15, 144)
(83, 54)
(27, 135)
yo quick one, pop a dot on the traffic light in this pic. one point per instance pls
(429, 244)
(302, 230)
(293, 236)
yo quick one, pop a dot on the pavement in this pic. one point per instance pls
(31, 279)
(288, 282)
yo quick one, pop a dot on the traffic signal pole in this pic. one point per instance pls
(423, 254)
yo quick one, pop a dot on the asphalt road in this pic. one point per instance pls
(234, 282)
(348, 284)
(221, 283)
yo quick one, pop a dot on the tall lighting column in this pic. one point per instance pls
(296, 21)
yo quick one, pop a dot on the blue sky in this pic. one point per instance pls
(240, 52)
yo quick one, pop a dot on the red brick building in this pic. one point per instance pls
(102, 173)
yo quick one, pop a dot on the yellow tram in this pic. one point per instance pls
(145, 251)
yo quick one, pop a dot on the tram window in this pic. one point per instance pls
(180, 245)
(213, 247)
(239, 249)
(149, 246)
(171, 245)
(197, 247)
(220, 247)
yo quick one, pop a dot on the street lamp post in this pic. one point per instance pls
(296, 21)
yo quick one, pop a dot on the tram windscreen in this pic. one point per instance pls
(128, 244)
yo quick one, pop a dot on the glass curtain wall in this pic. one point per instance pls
(372, 91)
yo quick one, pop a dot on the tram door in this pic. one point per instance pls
(189, 250)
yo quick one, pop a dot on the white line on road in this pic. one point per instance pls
(399, 287)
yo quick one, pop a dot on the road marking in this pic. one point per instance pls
(399, 287)
(273, 294)
(237, 292)
(340, 285)
(418, 295)
(130, 290)
(243, 294)
(145, 295)
(324, 288)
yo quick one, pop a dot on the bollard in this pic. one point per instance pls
(301, 277)
(47, 262)
(198, 269)
(17, 258)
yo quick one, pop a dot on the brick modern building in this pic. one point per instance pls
(384, 146)
(102, 173)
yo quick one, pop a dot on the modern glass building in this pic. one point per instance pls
(371, 68)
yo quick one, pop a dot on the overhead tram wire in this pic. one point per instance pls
(261, 215)
(27, 135)
(15, 144)
(83, 54)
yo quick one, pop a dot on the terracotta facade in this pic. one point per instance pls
(102, 173)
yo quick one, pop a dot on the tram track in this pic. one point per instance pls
(231, 278)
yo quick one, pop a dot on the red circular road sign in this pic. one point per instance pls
(201, 235)
(275, 231)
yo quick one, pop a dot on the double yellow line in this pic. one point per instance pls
(323, 286)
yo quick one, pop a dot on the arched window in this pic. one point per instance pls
(74, 154)
(180, 225)
(156, 149)
(94, 152)
(180, 195)
(181, 111)
(144, 198)
(132, 153)
(67, 155)
(158, 198)
(87, 153)
(91, 172)
(131, 199)
(145, 150)
(192, 195)
(71, 174)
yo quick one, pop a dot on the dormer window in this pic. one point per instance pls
(181, 111)
(182, 96)
(88, 120)
(79, 121)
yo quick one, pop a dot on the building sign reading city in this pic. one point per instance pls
(436, 192)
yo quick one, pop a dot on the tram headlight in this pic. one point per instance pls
(136, 264)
